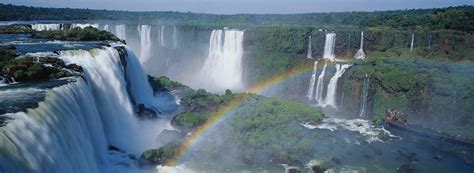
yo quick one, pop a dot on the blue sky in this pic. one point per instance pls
(245, 6)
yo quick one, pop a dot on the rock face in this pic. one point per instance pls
(158, 156)
(144, 112)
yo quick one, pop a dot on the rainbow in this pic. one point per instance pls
(219, 115)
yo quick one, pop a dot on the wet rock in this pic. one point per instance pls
(406, 168)
(438, 157)
(145, 112)
(158, 156)
(114, 148)
(293, 170)
(336, 160)
(383, 135)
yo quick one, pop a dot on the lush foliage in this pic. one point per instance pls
(456, 18)
(438, 95)
(33, 68)
(78, 34)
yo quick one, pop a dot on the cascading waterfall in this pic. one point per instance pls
(162, 36)
(332, 86)
(360, 53)
(175, 37)
(364, 95)
(145, 43)
(46, 27)
(329, 46)
(120, 32)
(82, 26)
(412, 42)
(71, 129)
(312, 82)
(320, 86)
(223, 66)
(309, 54)
(106, 28)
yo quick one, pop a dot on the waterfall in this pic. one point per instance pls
(308, 55)
(71, 129)
(360, 53)
(64, 134)
(429, 41)
(46, 27)
(82, 26)
(106, 27)
(332, 86)
(329, 46)
(175, 37)
(223, 66)
(364, 95)
(120, 32)
(320, 86)
(412, 42)
(162, 36)
(312, 82)
(145, 43)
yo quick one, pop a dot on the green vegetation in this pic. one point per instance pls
(33, 68)
(438, 95)
(159, 156)
(78, 34)
(16, 29)
(455, 18)
(260, 126)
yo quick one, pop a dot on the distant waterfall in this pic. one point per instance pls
(312, 82)
(175, 37)
(106, 27)
(429, 41)
(145, 43)
(412, 42)
(46, 27)
(329, 46)
(162, 36)
(223, 66)
(309, 54)
(364, 95)
(82, 26)
(72, 127)
(332, 86)
(320, 86)
(120, 32)
(360, 53)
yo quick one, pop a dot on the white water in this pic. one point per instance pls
(145, 43)
(106, 28)
(162, 36)
(71, 129)
(46, 27)
(332, 86)
(320, 86)
(312, 82)
(223, 66)
(120, 32)
(361, 126)
(329, 46)
(84, 25)
(364, 95)
(360, 53)
(175, 37)
(309, 54)
(412, 42)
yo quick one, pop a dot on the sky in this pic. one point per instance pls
(244, 6)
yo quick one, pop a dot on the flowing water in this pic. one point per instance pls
(332, 86)
(312, 82)
(46, 27)
(329, 46)
(120, 32)
(223, 66)
(145, 43)
(364, 97)
(320, 86)
(360, 53)
(309, 54)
